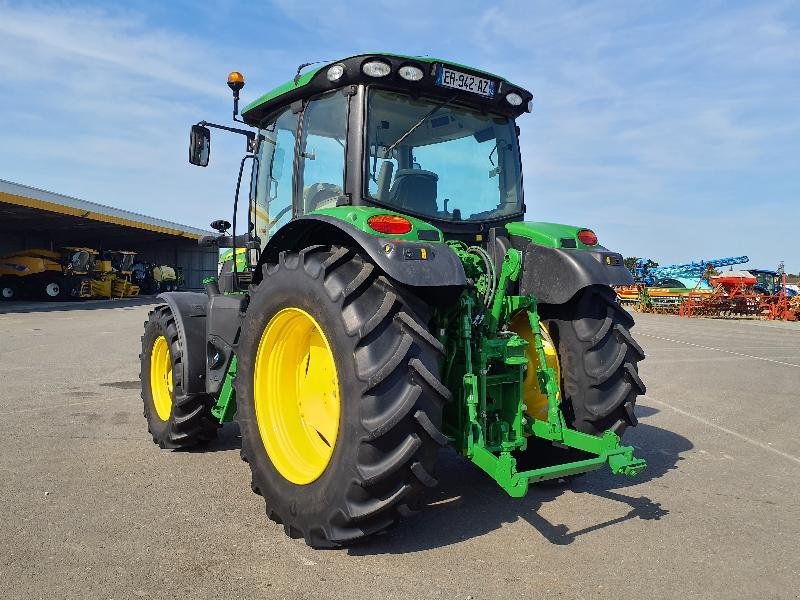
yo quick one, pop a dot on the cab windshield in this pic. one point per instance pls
(435, 160)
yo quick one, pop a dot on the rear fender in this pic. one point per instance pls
(554, 275)
(417, 264)
(557, 264)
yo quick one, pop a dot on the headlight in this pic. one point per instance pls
(376, 68)
(514, 99)
(410, 73)
(335, 72)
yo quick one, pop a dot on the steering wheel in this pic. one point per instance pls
(324, 191)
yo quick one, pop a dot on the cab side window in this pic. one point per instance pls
(322, 157)
(271, 205)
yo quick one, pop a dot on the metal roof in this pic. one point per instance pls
(34, 198)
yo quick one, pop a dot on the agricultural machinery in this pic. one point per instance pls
(152, 278)
(111, 276)
(388, 299)
(663, 289)
(46, 274)
(752, 293)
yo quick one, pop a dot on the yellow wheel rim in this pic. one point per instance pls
(296, 395)
(161, 378)
(536, 400)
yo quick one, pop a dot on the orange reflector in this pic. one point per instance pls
(588, 237)
(389, 224)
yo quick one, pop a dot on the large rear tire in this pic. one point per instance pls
(383, 390)
(175, 419)
(598, 358)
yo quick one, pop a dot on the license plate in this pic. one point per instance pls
(462, 81)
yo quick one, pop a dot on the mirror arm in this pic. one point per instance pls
(224, 241)
(251, 135)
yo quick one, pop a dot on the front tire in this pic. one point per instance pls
(175, 419)
(386, 379)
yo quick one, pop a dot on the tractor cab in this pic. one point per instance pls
(78, 260)
(122, 261)
(415, 136)
(770, 283)
(767, 281)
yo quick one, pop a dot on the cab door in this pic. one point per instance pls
(271, 190)
(321, 157)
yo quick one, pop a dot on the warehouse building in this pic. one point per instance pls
(34, 218)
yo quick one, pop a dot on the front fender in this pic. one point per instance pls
(189, 310)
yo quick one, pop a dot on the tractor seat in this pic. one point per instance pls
(414, 190)
(321, 195)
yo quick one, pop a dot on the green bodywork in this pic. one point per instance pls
(358, 217)
(241, 258)
(225, 407)
(550, 235)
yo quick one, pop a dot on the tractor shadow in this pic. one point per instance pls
(468, 504)
(228, 438)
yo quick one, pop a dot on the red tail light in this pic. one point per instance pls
(391, 224)
(588, 237)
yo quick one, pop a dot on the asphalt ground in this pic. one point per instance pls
(91, 508)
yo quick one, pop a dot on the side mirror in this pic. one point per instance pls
(220, 225)
(199, 145)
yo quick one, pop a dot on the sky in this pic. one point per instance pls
(671, 128)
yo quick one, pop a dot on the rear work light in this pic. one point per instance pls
(588, 237)
(335, 72)
(391, 224)
(376, 68)
(410, 73)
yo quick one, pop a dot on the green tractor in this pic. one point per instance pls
(390, 300)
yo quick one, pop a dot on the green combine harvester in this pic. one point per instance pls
(387, 299)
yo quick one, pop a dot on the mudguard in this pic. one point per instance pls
(411, 263)
(189, 310)
(222, 333)
(554, 275)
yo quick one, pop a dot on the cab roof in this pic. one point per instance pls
(315, 81)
